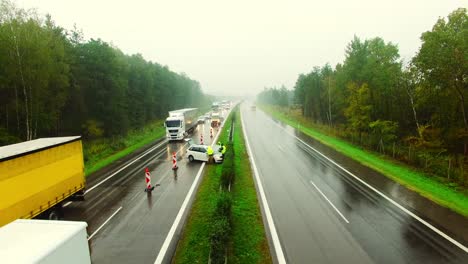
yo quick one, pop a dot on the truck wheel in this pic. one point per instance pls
(190, 158)
(54, 214)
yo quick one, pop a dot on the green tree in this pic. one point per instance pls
(443, 64)
(359, 110)
(376, 63)
(384, 131)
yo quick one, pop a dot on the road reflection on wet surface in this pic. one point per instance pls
(308, 194)
(136, 233)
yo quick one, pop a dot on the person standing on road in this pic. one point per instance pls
(210, 153)
(223, 150)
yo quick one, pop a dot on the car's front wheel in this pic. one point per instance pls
(190, 158)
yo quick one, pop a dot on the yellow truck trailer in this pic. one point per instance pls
(37, 176)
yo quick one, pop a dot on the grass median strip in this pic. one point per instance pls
(247, 242)
(409, 177)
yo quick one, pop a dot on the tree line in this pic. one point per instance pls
(414, 111)
(53, 82)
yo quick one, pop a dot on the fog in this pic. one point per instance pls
(240, 47)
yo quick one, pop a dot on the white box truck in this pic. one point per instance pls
(44, 242)
(180, 123)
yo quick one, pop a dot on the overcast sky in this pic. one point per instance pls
(238, 47)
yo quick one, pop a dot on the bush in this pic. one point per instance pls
(227, 175)
(92, 129)
(221, 228)
(223, 206)
(6, 138)
(219, 238)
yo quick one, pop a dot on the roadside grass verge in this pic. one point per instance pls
(247, 240)
(409, 177)
(101, 152)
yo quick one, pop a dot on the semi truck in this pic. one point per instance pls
(37, 176)
(45, 242)
(180, 123)
(215, 119)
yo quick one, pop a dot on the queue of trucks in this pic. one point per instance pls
(37, 177)
(181, 122)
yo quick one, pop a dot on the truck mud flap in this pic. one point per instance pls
(78, 196)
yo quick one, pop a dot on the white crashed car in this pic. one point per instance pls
(199, 152)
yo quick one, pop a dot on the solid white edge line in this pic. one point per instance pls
(442, 234)
(108, 219)
(170, 235)
(175, 224)
(336, 209)
(271, 224)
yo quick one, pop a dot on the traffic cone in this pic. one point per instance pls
(201, 140)
(211, 133)
(174, 161)
(148, 188)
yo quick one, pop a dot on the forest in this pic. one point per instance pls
(412, 111)
(53, 82)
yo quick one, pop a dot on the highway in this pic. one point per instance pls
(326, 208)
(125, 225)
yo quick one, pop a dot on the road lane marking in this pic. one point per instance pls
(336, 209)
(271, 224)
(108, 219)
(170, 236)
(121, 169)
(124, 167)
(422, 221)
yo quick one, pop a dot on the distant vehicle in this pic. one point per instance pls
(199, 152)
(215, 119)
(180, 123)
(37, 176)
(201, 120)
(253, 108)
(207, 116)
(45, 242)
(215, 107)
(226, 105)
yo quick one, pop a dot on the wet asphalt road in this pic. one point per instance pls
(323, 215)
(126, 224)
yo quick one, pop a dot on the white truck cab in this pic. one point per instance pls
(174, 129)
(180, 123)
